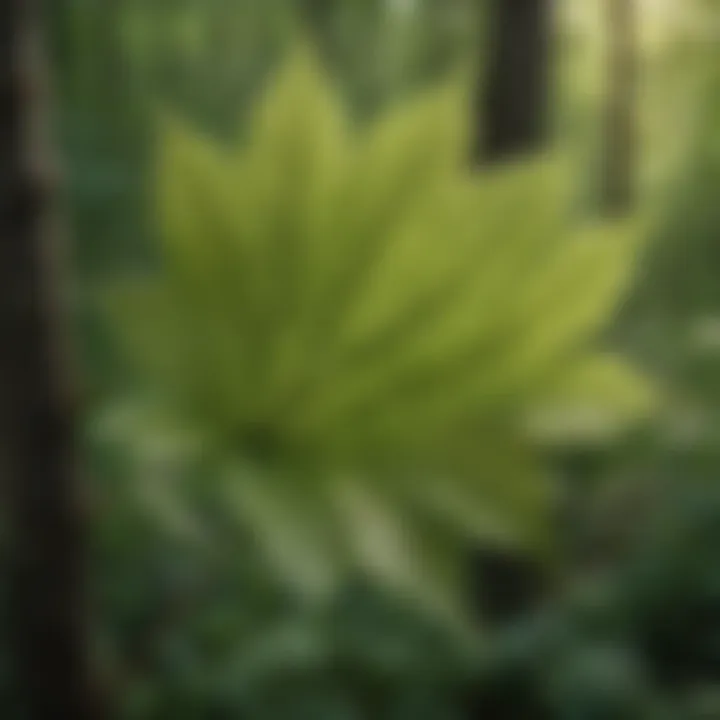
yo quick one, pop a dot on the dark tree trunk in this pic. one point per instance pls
(47, 602)
(512, 113)
(512, 122)
(618, 164)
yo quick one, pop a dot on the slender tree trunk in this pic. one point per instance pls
(512, 113)
(616, 199)
(511, 122)
(618, 167)
(47, 604)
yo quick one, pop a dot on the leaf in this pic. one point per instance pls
(393, 548)
(381, 331)
(290, 524)
(595, 401)
(196, 199)
(291, 168)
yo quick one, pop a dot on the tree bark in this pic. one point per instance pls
(618, 161)
(513, 101)
(511, 122)
(47, 596)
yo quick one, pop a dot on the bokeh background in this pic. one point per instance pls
(627, 621)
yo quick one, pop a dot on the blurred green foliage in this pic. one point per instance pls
(193, 624)
(333, 309)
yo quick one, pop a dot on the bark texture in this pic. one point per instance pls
(511, 122)
(512, 113)
(47, 575)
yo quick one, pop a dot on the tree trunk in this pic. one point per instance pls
(619, 143)
(512, 122)
(512, 113)
(47, 603)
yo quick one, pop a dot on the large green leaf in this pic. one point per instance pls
(376, 328)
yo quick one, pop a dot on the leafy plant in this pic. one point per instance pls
(365, 334)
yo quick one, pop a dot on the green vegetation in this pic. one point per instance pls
(332, 309)
(326, 358)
